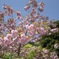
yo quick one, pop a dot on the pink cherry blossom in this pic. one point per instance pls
(24, 38)
(10, 11)
(18, 14)
(9, 36)
(31, 29)
(27, 17)
(35, 5)
(54, 30)
(30, 1)
(6, 41)
(4, 6)
(41, 4)
(42, 31)
(33, 11)
(40, 9)
(27, 7)
(36, 16)
(14, 33)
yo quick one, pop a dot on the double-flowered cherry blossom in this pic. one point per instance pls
(8, 9)
(28, 29)
(14, 33)
(31, 29)
(27, 7)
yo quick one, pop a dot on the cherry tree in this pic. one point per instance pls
(30, 28)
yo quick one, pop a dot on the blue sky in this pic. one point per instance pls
(51, 7)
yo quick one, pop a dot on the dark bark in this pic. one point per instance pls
(19, 49)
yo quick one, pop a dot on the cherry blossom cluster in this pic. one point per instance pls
(30, 28)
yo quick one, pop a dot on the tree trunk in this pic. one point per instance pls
(19, 48)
